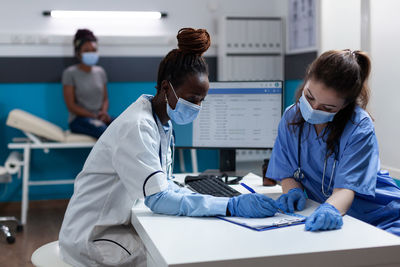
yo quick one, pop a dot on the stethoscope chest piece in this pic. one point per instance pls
(298, 174)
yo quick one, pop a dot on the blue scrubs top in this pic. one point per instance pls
(377, 197)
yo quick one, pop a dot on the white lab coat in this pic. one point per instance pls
(96, 230)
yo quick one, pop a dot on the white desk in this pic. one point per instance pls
(186, 241)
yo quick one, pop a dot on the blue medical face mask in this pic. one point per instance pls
(90, 58)
(185, 112)
(314, 116)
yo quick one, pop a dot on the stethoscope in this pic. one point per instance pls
(170, 166)
(299, 175)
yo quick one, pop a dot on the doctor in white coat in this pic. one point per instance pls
(131, 161)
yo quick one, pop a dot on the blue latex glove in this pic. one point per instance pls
(252, 206)
(177, 201)
(294, 199)
(325, 217)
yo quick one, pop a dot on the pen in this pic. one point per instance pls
(179, 184)
(252, 191)
(281, 211)
(247, 187)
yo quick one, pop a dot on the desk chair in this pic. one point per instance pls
(5, 177)
(48, 255)
(6, 230)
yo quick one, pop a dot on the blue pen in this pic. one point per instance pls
(247, 187)
(252, 191)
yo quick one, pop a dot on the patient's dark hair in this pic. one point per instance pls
(82, 36)
(346, 72)
(185, 60)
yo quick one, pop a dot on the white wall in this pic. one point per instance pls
(341, 28)
(339, 24)
(385, 83)
(25, 31)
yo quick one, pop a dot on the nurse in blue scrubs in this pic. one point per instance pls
(327, 149)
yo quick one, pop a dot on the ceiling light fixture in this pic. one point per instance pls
(72, 14)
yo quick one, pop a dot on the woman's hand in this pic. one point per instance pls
(293, 200)
(252, 206)
(325, 217)
(104, 117)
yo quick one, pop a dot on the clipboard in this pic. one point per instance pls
(279, 220)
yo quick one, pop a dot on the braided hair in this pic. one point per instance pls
(185, 60)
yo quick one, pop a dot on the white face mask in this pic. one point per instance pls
(185, 112)
(314, 116)
(90, 58)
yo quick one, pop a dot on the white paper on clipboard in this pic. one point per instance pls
(279, 220)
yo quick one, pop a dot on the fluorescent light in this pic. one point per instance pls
(71, 14)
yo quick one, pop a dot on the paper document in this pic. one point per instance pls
(261, 224)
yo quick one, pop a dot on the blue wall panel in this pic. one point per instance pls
(46, 101)
(290, 88)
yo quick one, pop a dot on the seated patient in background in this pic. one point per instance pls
(85, 89)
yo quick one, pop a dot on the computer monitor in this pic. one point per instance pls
(235, 115)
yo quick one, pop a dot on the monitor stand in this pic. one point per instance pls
(227, 164)
(227, 160)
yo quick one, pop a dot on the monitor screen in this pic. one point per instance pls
(235, 115)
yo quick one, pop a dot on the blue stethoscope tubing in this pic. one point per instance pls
(299, 175)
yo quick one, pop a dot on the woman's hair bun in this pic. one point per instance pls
(84, 34)
(193, 41)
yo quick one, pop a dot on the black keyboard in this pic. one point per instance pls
(210, 185)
